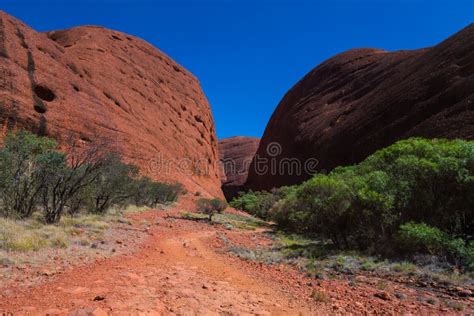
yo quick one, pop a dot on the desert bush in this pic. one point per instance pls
(20, 179)
(211, 207)
(113, 186)
(65, 176)
(413, 238)
(421, 238)
(149, 193)
(35, 176)
(259, 203)
(374, 205)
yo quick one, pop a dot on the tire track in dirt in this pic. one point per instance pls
(173, 272)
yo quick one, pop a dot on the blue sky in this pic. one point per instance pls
(247, 54)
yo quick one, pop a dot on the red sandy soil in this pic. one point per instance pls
(183, 269)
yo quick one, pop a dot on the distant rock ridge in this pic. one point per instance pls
(235, 155)
(107, 87)
(364, 99)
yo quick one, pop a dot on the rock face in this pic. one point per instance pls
(365, 99)
(235, 155)
(107, 87)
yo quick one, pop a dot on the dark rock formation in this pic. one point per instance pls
(235, 155)
(365, 99)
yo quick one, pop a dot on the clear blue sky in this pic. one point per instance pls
(247, 54)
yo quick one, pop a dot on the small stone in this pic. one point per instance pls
(46, 272)
(99, 298)
(383, 295)
(400, 296)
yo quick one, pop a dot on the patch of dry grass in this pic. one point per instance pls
(33, 234)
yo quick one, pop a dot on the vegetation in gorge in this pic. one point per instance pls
(414, 197)
(37, 180)
(211, 207)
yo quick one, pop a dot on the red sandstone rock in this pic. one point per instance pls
(235, 155)
(365, 99)
(104, 86)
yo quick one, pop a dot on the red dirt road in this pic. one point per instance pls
(183, 268)
(173, 272)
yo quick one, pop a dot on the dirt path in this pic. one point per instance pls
(173, 272)
(184, 267)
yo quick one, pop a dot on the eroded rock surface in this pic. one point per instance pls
(235, 155)
(365, 99)
(107, 87)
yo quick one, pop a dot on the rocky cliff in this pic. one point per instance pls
(109, 88)
(235, 155)
(365, 99)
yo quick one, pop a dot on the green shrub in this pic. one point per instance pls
(421, 238)
(364, 206)
(210, 207)
(415, 239)
(149, 193)
(35, 176)
(20, 178)
(259, 203)
(470, 256)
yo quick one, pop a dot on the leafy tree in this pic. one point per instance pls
(259, 203)
(150, 193)
(114, 184)
(368, 205)
(63, 180)
(34, 176)
(211, 207)
(20, 182)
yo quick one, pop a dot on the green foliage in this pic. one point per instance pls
(470, 256)
(20, 176)
(149, 193)
(421, 238)
(112, 187)
(415, 238)
(374, 205)
(210, 207)
(34, 176)
(259, 203)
